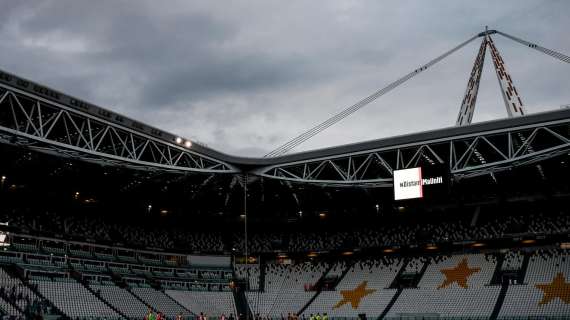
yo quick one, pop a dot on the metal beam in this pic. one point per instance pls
(41, 124)
(468, 104)
(466, 156)
(513, 102)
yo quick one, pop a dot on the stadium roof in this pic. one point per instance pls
(218, 193)
(18, 83)
(403, 140)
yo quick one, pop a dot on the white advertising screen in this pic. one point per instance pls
(407, 184)
(412, 183)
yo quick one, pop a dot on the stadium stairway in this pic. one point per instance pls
(395, 283)
(240, 299)
(416, 279)
(121, 283)
(524, 267)
(77, 276)
(497, 274)
(262, 271)
(500, 300)
(17, 272)
(139, 299)
(241, 303)
(178, 303)
(319, 285)
(391, 303)
(343, 274)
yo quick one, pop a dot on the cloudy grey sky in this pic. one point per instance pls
(246, 76)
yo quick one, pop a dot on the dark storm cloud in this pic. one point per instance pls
(245, 76)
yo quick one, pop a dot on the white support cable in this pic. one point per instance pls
(360, 104)
(354, 108)
(552, 53)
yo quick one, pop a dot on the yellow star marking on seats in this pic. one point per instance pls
(354, 296)
(558, 288)
(459, 274)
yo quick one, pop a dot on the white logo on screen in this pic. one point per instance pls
(409, 183)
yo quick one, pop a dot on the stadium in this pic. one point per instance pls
(105, 217)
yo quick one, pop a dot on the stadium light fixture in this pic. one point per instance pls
(478, 245)
(347, 253)
(188, 144)
(431, 247)
(528, 241)
(178, 140)
(3, 178)
(388, 250)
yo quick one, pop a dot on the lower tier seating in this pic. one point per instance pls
(446, 302)
(277, 304)
(122, 300)
(213, 304)
(546, 288)
(75, 300)
(337, 305)
(161, 302)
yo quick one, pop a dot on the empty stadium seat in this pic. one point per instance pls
(213, 304)
(74, 299)
(160, 301)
